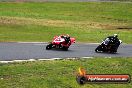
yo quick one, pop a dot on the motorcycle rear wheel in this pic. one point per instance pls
(48, 47)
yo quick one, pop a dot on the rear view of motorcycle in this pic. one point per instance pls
(110, 45)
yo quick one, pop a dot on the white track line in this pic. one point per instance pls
(86, 57)
(32, 42)
(107, 57)
(50, 59)
(29, 60)
(24, 60)
(44, 59)
(6, 61)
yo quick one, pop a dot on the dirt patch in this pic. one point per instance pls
(115, 19)
(25, 21)
(58, 23)
(125, 27)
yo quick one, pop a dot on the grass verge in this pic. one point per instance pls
(61, 73)
(87, 22)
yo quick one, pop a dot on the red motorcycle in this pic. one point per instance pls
(61, 42)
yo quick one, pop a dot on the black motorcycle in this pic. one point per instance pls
(108, 45)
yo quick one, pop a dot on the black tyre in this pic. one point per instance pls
(98, 49)
(65, 48)
(113, 49)
(81, 80)
(48, 47)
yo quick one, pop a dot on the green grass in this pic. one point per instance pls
(87, 22)
(122, 0)
(56, 0)
(61, 73)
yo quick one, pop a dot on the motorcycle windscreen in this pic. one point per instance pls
(106, 41)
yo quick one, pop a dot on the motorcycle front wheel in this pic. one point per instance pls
(98, 49)
(65, 48)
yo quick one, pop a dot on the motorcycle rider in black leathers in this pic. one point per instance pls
(114, 40)
(67, 38)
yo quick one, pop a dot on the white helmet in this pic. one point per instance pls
(115, 35)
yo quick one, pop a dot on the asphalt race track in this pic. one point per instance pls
(20, 51)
